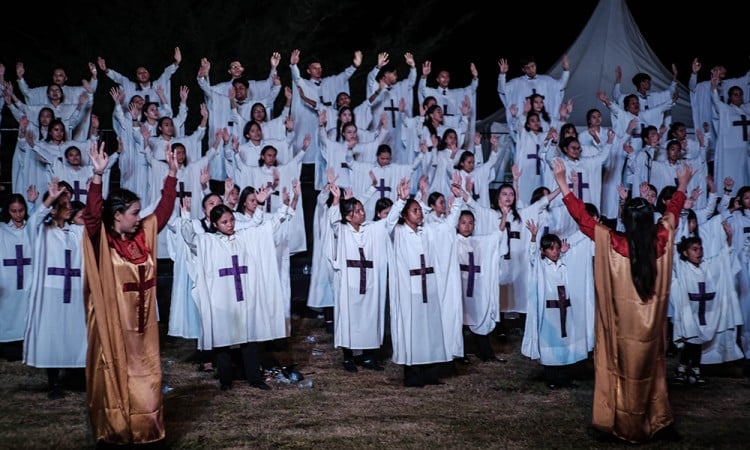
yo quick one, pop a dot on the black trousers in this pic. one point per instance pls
(250, 361)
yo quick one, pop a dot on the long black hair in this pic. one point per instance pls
(640, 232)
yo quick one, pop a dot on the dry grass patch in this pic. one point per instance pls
(482, 405)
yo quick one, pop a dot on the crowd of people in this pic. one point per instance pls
(422, 227)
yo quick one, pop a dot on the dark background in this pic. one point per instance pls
(449, 33)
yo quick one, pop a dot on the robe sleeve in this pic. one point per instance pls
(166, 203)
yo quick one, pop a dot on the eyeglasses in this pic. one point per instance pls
(235, 67)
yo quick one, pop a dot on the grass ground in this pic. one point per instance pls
(481, 405)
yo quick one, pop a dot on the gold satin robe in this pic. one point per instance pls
(630, 389)
(123, 370)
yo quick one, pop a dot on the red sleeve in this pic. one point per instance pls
(577, 209)
(166, 203)
(674, 207)
(587, 224)
(92, 214)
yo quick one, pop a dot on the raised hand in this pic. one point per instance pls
(533, 228)
(99, 158)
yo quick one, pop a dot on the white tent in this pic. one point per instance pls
(610, 38)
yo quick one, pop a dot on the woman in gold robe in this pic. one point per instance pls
(632, 276)
(123, 365)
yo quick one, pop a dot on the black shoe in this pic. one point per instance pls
(410, 383)
(226, 386)
(260, 385)
(370, 364)
(553, 386)
(350, 366)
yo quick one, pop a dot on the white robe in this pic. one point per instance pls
(514, 263)
(15, 279)
(306, 120)
(320, 293)
(388, 99)
(425, 292)
(387, 177)
(360, 264)
(55, 335)
(479, 265)
(696, 298)
(741, 245)
(555, 330)
(731, 154)
(240, 294)
(259, 177)
(184, 316)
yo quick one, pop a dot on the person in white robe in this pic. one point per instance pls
(395, 98)
(739, 221)
(481, 175)
(515, 91)
(71, 94)
(320, 293)
(383, 176)
(532, 144)
(143, 84)
(514, 263)
(252, 212)
(587, 169)
(699, 296)
(55, 336)
(424, 290)
(270, 172)
(701, 104)
(16, 237)
(71, 169)
(309, 97)
(239, 291)
(555, 331)
(451, 98)
(360, 264)
(479, 264)
(731, 152)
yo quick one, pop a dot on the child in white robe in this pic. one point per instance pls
(555, 324)
(55, 335)
(360, 264)
(479, 264)
(239, 291)
(16, 237)
(424, 284)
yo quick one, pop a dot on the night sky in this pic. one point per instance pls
(451, 34)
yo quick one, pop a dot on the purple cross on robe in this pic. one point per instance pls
(701, 297)
(562, 302)
(67, 272)
(19, 261)
(235, 271)
(472, 270)
(422, 270)
(363, 264)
